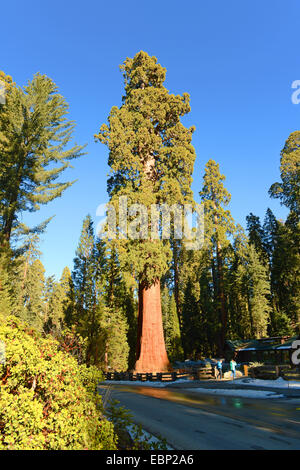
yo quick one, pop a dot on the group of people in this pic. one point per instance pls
(220, 368)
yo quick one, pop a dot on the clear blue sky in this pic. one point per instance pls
(237, 60)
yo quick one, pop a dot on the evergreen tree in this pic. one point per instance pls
(34, 134)
(114, 330)
(258, 294)
(151, 160)
(288, 190)
(57, 303)
(239, 318)
(172, 332)
(256, 235)
(270, 228)
(6, 294)
(286, 256)
(219, 225)
(285, 281)
(116, 313)
(86, 316)
(33, 311)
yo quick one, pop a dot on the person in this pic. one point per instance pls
(232, 368)
(219, 369)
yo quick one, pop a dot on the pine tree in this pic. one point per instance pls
(57, 302)
(191, 328)
(258, 294)
(86, 316)
(21, 264)
(219, 225)
(33, 312)
(270, 228)
(286, 256)
(172, 332)
(285, 280)
(116, 310)
(288, 190)
(239, 317)
(114, 330)
(151, 160)
(34, 134)
(256, 236)
(6, 293)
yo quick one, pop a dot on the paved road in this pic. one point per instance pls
(189, 421)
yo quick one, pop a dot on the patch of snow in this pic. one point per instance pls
(146, 435)
(278, 383)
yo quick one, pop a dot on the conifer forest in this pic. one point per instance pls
(140, 297)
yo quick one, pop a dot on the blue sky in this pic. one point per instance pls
(237, 60)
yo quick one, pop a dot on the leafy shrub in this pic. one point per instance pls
(47, 400)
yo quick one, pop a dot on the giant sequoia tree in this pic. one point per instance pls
(151, 160)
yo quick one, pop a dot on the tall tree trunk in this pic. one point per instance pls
(151, 350)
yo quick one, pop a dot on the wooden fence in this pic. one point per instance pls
(270, 372)
(267, 372)
(191, 374)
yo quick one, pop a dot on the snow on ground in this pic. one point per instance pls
(246, 381)
(229, 392)
(278, 383)
(150, 438)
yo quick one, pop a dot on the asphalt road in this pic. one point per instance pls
(189, 421)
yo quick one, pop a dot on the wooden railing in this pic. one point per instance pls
(274, 371)
(204, 373)
(200, 373)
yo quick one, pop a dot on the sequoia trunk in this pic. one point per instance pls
(151, 350)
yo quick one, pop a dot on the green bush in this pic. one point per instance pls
(47, 400)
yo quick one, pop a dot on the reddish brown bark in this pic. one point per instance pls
(151, 350)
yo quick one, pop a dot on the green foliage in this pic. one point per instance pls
(98, 298)
(115, 348)
(34, 134)
(285, 278)
(288, 190)
(219, 225)
(258, 294)
(234, 287)
(256, 236)
(86, 314)
(150, 155)
(6, 297)
(57, 302)
(48, 401)
(171, 326)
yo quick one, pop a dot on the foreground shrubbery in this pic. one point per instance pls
(48, 400)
